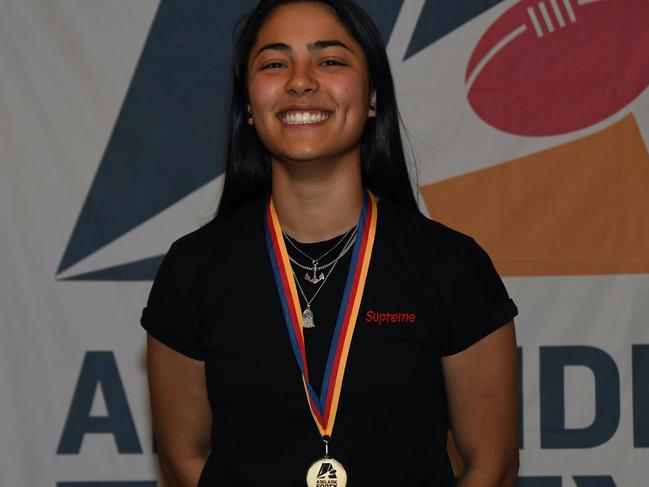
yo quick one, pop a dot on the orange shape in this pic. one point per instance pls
(581, 208)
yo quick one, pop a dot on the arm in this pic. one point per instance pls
(181, 413)
(481, 386)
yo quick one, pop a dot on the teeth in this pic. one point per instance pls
(303, 118)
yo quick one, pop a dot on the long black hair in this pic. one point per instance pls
(383, 162)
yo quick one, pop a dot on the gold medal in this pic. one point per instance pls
(326, 472)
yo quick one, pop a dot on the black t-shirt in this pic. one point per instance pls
(430, 291)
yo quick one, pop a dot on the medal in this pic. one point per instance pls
(325, 472)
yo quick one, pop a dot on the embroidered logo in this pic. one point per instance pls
(380, 318)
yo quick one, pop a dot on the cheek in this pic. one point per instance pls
(261, 93)
(352, 93)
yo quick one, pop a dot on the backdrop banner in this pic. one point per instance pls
(528, 122)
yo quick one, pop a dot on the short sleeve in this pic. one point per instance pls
(478, 303)
(169, 315)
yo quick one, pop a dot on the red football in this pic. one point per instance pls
(548, 67)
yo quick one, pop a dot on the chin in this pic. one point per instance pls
(306, 155)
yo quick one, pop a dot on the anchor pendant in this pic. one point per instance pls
(316, 278)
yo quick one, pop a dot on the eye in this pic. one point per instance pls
(272, 65)
(332, 62)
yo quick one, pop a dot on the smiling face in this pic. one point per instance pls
(308, 86)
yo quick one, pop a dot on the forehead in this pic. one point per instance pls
(303, 23)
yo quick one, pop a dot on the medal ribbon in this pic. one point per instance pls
(323, 407)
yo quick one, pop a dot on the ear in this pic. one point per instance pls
(250, 119)
(372, 109)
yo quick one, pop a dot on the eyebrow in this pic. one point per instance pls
(317, 45)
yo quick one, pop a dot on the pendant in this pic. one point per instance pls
(326, 472)
(316, 278)
(307, 318)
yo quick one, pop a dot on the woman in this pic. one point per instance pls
(318, 240)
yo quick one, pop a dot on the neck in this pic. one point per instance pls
(317, 201)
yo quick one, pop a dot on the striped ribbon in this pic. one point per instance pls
(323, 407)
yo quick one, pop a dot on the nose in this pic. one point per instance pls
(301, 81)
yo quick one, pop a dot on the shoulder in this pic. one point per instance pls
(190, 278)
(410, 228)
(219, 236)
(441, 260)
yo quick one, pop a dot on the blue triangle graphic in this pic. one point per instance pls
(441, 17)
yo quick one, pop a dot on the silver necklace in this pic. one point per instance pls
(308, 320)
(307, 277)
(314, 262)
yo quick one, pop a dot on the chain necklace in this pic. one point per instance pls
(317, 267)
(308, 320)
(315, 278)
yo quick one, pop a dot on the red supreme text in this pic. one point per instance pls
(378, 318)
